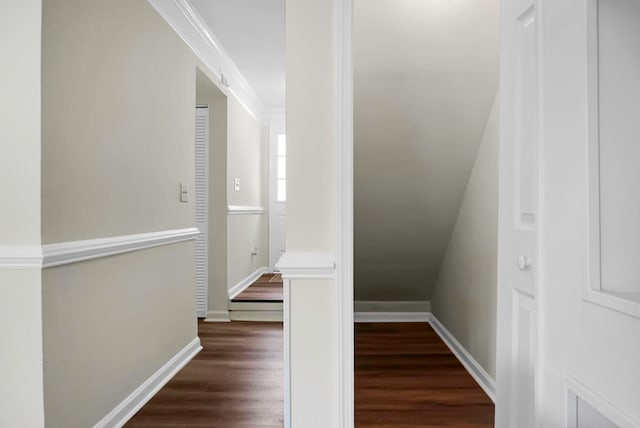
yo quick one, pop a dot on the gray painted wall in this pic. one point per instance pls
(246, 147)
(118, 96)
(426, 74)
(465, 295)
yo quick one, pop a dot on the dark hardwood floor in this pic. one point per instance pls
(267, 288)
(405, 377)
(236, 381)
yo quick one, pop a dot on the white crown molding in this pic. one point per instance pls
(391, 317)
(392, 306)
(244, 209)
(486, 382)
(138, 398)
(77, 251)
(190, 26)
(242, 285)
(20, 257)
(306, 264)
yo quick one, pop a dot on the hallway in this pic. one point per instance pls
(235, 381)
(405, 377)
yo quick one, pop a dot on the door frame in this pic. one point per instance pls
(277, 125)
(343, 118)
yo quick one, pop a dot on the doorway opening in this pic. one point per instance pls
(425, 117)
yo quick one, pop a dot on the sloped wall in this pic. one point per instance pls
(465, 296)
(425, 77)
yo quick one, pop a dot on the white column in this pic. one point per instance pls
(310, 340)
(21, 387)
(317, 265)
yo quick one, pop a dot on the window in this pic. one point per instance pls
(281, 168)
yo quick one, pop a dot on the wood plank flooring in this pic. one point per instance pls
(405, 377)
(267, 288)
(236, 381)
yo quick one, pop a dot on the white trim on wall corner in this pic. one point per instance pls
(391, 317)
(20, 256)
(286, 334)
(307, 264)
(138, 398)
(241, 285)
(486, 382)
(190, 26)
(77, 251)
(392, 306)
(343, 115)
(244, 209)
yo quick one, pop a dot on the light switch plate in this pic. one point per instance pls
(184, 192)
(236, 184)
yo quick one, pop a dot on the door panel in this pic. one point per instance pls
(569, 315)
(523, 359)
(618, 69)
(519, 194)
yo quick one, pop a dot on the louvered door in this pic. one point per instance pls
(202, 208)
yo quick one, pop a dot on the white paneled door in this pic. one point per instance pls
(202, 208)
(519, 217)
(569, 281)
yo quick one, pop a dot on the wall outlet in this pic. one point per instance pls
(236, 184)
(254, 251)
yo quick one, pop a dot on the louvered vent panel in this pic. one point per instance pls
(201, 207)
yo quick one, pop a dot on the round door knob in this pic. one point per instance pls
(524, 263)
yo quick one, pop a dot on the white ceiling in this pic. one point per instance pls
(252, 32)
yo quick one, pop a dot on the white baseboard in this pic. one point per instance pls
(246, 282)
(391, 306)
(138, 398)
(217, 316)
(486, 382)
(391, 317)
